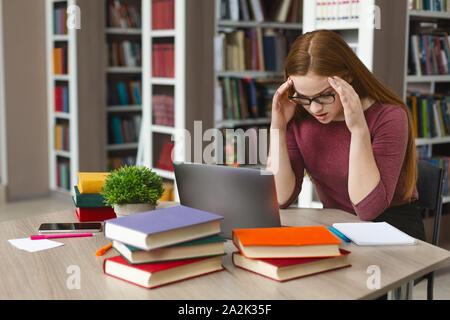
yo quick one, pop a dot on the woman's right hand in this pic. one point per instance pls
(283, 108)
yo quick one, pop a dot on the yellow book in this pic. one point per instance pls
(91, 182)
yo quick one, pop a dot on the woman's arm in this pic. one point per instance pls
(363, 173)
(279, 161)
(374, 166)
(280, 165)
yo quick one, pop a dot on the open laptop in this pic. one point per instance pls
(244, 197)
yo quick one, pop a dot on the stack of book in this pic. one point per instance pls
(288, 253)
(164, 246)
(88, 200)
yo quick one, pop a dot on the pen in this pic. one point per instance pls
(65, 235)
(103, 250)
(340, 235)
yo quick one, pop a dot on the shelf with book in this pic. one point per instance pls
(123, 38)
(61, 85)
(73, 76)
(251, 42)
(427, 80)
(176, 79)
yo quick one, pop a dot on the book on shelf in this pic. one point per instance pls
(163, 110)
(124, 129)
(252, 49)
(429, 54)
(59, 21)
(152, 275)
(163, 227)
(61, 98)
(118, 162)
(339, 10)
(123, 15)
(124, 53)
(124, 93)
(289, 269)
(168, 194)
(60, 61)
(163, 60)
(63, 174)
(205, 247)
(429, 5)
(244, 98)
(62, 137)
(163, 14)
(165, 157)
(260, 10)
(431, 115)
(286, 242)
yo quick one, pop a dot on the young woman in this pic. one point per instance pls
(353, 136)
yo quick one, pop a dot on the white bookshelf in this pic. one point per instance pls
(227, 26)
(148, 129)
(424, 83)
(125, 74)
(72, 81)
(358, 32)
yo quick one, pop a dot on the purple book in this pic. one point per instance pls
(163, 227)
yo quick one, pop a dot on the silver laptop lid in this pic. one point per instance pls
(246, 198)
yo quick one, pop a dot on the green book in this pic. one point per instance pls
(205, 247)
(88, 200)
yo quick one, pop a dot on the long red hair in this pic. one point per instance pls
(325, 53)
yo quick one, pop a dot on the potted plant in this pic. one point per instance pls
(132, 189)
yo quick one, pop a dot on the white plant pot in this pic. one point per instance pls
(123, 210)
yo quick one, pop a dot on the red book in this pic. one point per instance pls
(165, 159)
(293, 268)
(58, 98)
(152, 275)
(95, 214)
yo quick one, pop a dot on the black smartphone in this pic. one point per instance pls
(78, 227)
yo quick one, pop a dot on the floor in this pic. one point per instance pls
(23, 209)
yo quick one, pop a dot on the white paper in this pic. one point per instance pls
(34, 245)
(374, 234)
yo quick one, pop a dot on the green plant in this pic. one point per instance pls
(132, 184)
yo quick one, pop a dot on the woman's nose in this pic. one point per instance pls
(316, 107)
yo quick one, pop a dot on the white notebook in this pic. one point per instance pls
(374, 234)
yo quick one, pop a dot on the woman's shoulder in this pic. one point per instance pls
(380, 113)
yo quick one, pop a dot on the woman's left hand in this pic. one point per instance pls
(353, 109)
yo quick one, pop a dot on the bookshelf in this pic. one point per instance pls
(177, 79)
(258, 34)
(422, 80)
(74, 116)
(123, 78)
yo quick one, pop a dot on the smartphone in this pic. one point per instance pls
(81, 227)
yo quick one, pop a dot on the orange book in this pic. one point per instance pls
(286, 242)
(57, 58)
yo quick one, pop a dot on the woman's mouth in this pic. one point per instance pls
(321, 117)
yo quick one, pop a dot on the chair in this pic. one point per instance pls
(430, 186)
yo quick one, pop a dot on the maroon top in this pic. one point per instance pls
(323, 150)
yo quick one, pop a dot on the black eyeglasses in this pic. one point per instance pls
(322, 99)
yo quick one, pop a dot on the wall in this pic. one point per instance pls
(25, 98)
